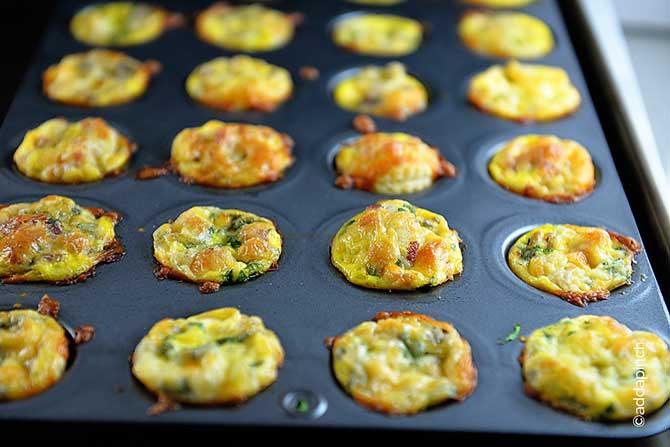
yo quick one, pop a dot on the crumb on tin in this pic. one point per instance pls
(49, 306)
(164, 404)
(151, 172)
(209, 287)
(83, 334)
(309, 73)
(364, 124)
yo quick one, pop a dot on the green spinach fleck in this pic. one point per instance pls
(233, 339)
(512, 335)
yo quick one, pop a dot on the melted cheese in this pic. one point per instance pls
(403, 363)
(53, 240)
(228, 155)
(524, 92)
(239, 83)
(589, 366)
(220, 356)
(506, 34)
(59, 151)
(544, 167)
(222, 246)
(118, 24)
(378, 34)
(34, 352)
(249, 28)
(579, 264)
(382, 91)
(388, 163)
(97, 78)
(394, 245)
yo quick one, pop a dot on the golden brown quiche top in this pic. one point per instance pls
(55, 240)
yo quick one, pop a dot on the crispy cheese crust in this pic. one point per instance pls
(544, 167)
(217, 357)
(97, 78)
(402, 363)
(500, 3)
(382, 91)
(524, 92)
(378, 34)
(208, 245)
(120, 24)
(55, 240)
(590, 366)
(389, 163)
(579, 264)
(248, 28)
(230, 155)
(506, 34)
(34, 353)
(84, 151)
(239, 83)
(397, 246)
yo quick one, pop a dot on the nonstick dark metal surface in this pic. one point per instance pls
(306, 299)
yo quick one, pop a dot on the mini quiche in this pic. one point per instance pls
(97, 78)
(578, 264)
(248, 28)
(390, 163)
(590, 366)
(59, 151)
(231, 155)
(500, 3)
(55, 240)
(544, 167)
(403, 363)
(396, 246)
(382, 91)
(217, 357)
(212, 246)
(239, 83)
(378, 34)
(505, 34)
(524, 92)
(121, 24)
(34, 351)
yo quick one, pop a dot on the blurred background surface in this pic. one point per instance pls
(646, 26)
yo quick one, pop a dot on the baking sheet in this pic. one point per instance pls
(306, 299)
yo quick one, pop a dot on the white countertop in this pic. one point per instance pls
(609, 38)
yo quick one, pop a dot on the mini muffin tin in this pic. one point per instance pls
(306, 299)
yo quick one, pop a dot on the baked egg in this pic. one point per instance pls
(579, 264)
(403, 363)
(387, 91)
(97, 78)
(590, 366)
(217, 357)
(544, 167)
(213, 246)
(60, 151)
(524, 92)
(55, 240)
(397, 246)
(390, 163)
